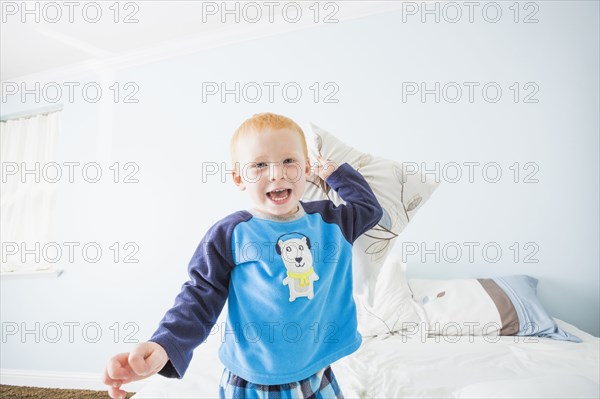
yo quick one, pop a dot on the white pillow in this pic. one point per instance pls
(457, 307)
(501, 305)
(400, 194)
(393, 308)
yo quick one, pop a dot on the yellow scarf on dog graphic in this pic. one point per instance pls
(304, 281)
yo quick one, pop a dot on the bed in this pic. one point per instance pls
(396, 366)
(405, 353)
(465, 338)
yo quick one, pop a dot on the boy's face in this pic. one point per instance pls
(273, 169)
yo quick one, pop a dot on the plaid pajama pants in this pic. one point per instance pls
(321, 385)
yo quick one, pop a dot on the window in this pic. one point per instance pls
(28, 195)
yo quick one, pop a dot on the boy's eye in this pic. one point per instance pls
(260, 164)
(289, 160)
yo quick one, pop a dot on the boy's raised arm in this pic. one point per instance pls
(362, 210)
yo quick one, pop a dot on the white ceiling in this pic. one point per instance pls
(164, 28)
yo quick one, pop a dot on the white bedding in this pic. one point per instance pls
(452, 367)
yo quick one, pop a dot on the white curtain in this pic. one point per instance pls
(28, 197)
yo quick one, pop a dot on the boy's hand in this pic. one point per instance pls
(145, 360)
(324, 167)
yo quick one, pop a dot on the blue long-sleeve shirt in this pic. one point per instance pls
(288, 283)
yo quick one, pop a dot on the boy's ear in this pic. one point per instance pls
(237, 180)
(310, 174)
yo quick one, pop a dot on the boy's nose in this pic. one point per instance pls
(275, 171)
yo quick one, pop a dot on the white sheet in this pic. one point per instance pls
(452, 367)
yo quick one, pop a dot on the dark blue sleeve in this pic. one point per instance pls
(197, 307)
(362, 210)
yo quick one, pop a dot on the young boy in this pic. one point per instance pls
(284, 267)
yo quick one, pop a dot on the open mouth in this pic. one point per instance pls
(279, 195)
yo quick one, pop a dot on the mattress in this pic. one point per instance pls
(395, 366)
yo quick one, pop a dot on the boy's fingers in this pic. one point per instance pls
(323, 162)
(325, 168)
(107, 380)
(116, 393)
(114, 390)
(116, 368)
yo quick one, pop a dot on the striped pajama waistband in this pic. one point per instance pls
(321, 385)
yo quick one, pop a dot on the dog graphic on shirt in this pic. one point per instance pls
(294, 249)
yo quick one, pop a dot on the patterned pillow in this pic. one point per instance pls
(400, 190)
(393, 307)
(485, 306)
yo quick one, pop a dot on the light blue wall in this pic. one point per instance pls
(171, 132)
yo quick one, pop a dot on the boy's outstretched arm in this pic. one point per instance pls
(189, 322)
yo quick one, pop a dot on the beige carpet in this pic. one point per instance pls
(13, 392)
